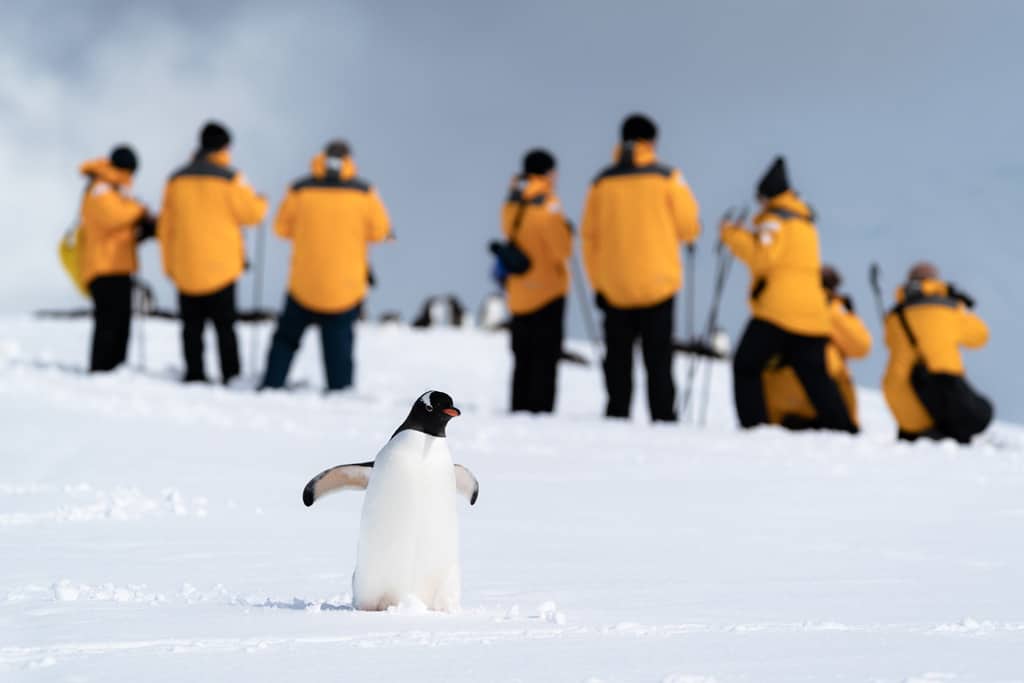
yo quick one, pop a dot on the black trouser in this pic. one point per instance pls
(537, 346)
(112, 315)
(653, 325)
(959, 412)
(762, 342)
(336, 342)
(218, 307)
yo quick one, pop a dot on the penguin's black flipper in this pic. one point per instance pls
(466, 484)
(355, 476)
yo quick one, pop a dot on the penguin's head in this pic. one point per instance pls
(430, 414)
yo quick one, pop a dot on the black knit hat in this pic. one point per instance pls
(638, 127)
(124, 157)
(214, 137)
(337, 149)
(774, 182)
(538, 162)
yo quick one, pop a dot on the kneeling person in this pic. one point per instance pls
(330, 216)
(924, 383)
(786, 400)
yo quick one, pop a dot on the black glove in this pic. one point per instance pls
(961, 295)
(145, 228)
(601, 302)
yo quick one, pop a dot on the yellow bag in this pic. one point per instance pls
(69, 251)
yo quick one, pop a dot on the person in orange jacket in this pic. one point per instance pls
(637, 216)
(786, 401)
(206, 203)
(790, 308)
(533, 221)
(925, 384)
(331, 216)
(112, 223)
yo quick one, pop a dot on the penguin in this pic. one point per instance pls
(408, 533)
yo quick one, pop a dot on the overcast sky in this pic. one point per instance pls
(902, 122)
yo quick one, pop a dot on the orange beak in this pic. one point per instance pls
(452, 412)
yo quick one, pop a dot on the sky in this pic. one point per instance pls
(901, 123)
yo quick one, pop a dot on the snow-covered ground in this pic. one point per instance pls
(154, 532)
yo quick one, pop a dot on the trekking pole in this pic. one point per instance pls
(722, 268)
(875, 277)
(140, 295)
(584, 300)
(691, 368)
(257, 296)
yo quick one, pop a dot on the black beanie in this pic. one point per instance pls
(774, 181)
(538, 162)
(638, 127)
(830, 278)
(214, 137)
(337, 149)
(122, 156)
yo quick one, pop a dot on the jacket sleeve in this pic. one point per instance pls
(284, 223)
(590, 234)
(740, 242)
(106, 210)
(684, 208)
(557, 233)
(767, 241)
(248, 207)
(378, 224)
(849, 332)
(973, 330)
(165, 231)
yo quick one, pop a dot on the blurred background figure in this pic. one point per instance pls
(637, 215)
(790, 323)
(925, 383)
(534, 225)
(787, 402)
(112, 223)
(206, 203)
(331, 217)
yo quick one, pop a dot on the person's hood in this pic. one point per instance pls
(643, 152)
(103, 169)
(926, 287)
(319, 167)
(536, 186)
(790, 202)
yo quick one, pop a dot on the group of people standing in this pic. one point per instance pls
(330, 216)
(789, 369)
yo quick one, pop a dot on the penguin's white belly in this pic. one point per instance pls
(409, 537)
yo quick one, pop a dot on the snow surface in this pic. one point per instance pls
(153, 531)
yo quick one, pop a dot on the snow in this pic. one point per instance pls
(153, 531)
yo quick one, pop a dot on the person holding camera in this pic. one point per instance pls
(786, 401)
(112, 224)
(638, 214)
(925, 384)
(534, 267)
(331, 217)
(790, 322)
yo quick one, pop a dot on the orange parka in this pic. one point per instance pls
(331, 217)
(784, 258)
(532, 217)
(206, 203)
(849, 338)
(941, 324)
(637, 215)
(108, 220)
